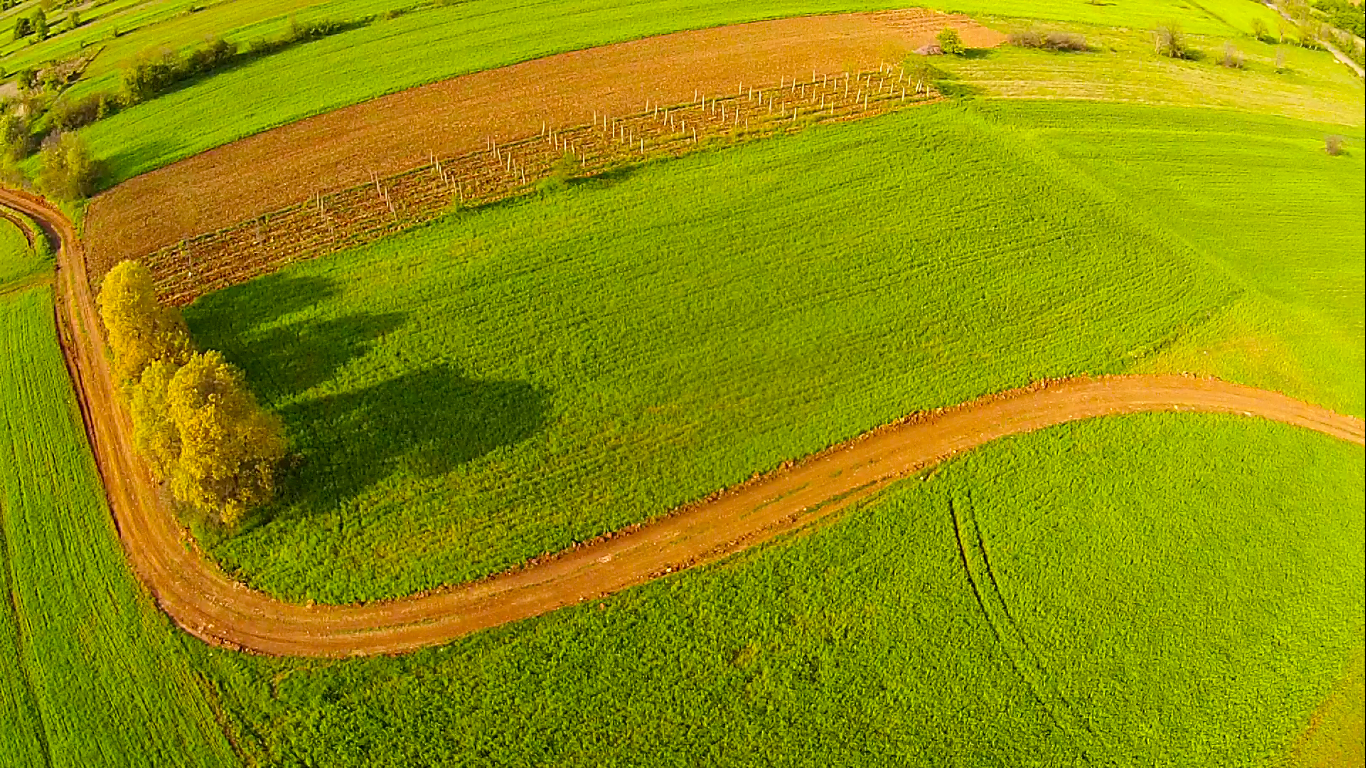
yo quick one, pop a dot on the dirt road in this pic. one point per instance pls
(206, 603)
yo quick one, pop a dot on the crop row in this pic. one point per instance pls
(327, 223)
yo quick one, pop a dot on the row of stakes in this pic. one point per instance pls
(620, 131)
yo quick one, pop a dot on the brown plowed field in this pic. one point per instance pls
(205, 602)
(341, 149)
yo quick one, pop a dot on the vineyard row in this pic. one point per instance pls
(327, 223)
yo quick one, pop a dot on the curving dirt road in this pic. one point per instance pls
(206, 603)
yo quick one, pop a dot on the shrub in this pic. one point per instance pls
(140, 329)
(950, 42)
(1233, 58)
(71, 115)
(214, 55)
(68, 172)
(16, 142)
(1170, 41)
(149, 76)
(1053, 41)
(1335, 145)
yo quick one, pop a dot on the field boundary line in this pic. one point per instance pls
(207, 603)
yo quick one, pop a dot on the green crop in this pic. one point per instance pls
(94, 675)
(512, 380)
(1163, 590)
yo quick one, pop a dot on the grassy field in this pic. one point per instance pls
(1166, 590)
(17, 260)
(597, 357)
(94, 674)
(440, 42)
(507, 382)
(1121, 67)
(1296, 249)
(812, 650)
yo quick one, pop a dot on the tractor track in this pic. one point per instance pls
(208, 604)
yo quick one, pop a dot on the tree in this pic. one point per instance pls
(68, 172)
(228, 445)
(1259, 29)
(39, 24)
(950, 42)
(22, 28)
(26, 79)
(155, 434)
(141, 330)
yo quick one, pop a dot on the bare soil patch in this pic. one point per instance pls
(342, 149)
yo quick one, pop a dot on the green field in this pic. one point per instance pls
(1168, 591)
(1121, 67)
(861, 643)
(440, 42)
(1261, 198)
(1158, 590)
(94, 674)
(509, 381)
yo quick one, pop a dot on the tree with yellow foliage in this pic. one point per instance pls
(194, 419)
(156, 435)
(228, 446)
(141, 329)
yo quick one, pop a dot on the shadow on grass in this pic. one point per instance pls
(282, 361)
(418, 425)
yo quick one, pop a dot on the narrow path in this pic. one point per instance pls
(206, 603)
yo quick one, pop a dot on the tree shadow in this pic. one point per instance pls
(284, 361)
(420, 425)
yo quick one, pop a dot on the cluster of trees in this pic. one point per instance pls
(35, 25)
(151, 75)
(67, 170)
(195, 421)
(1344, 15)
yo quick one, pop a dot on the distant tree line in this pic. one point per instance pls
(195, 422)
(153, 74)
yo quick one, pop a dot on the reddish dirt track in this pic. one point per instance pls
(203, 601)
(339, 149)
